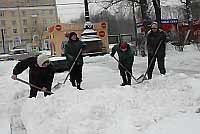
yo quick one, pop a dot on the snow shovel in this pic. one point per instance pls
(36, 87)
(143, 76)
(58, 85)
(125, 68)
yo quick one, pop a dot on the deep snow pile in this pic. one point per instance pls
(106, 108)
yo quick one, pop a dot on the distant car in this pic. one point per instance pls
(17, 51)
(17, 54)
(59, 63)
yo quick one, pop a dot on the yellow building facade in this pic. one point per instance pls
(24, 23)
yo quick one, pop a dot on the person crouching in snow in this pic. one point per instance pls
(41, 73)
(126, 58)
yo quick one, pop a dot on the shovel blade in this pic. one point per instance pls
(57, 86)
(141, 78)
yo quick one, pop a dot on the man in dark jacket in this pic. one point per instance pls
(72, 48)
(126, 58)
(156, 39)
(41, 73)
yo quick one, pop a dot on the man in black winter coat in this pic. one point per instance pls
(155, 37)
(41, 73)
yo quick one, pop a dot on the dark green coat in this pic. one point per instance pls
(72, 49)
(153, 40)
(126, 58)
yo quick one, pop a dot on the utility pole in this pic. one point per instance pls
(156, 4)
(3, 40)
(89, 35)
(56, 12)
(87, 16)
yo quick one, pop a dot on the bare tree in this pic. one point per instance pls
(156, 4)
(119, 6)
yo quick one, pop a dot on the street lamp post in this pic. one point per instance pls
(89, 35)
(3, 40)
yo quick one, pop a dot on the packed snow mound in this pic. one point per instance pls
(179, 124)
(129, 109)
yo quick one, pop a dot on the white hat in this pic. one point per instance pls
(41, 59)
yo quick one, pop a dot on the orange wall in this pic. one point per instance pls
(58, 36)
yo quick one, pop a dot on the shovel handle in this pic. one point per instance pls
(32, 85)
(125, 68)
(73, 65)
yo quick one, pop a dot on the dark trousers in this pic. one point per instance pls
(161, 65)
(126, 77)
(33, 93)
(76, 74)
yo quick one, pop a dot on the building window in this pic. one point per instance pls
(14, 22)
(27, 1)
(13, 13)
(34, 1)
(45, 28)
(44, 21)
(43, 11)
(3, 22)
(51, 11)
(25, 30)
(14, 30)
(33, 29)
(1, 13)
(34, 22)
(23, 13)
(24, 22)
(34, 12)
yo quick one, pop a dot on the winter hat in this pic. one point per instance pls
(154, 24)
(123, 46)
(41, 59)
(71, 34)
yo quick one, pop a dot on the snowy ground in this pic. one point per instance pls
(163, 105)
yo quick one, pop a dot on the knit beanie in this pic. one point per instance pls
(71, 34)
(123, 46)
(41, 59)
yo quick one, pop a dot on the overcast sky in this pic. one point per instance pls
(71, 11)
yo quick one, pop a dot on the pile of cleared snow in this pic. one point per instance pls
(111, 110)
(179, 124)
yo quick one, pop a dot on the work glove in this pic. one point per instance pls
(14, 77)
(44, 88)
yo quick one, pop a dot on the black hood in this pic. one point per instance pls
(71, 34)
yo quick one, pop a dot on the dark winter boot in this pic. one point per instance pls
(129, 80)
(124, 81)
(123, 84)
(73, 83)
(79, 86)
(149, 76)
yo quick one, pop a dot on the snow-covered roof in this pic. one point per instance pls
(18, 49)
